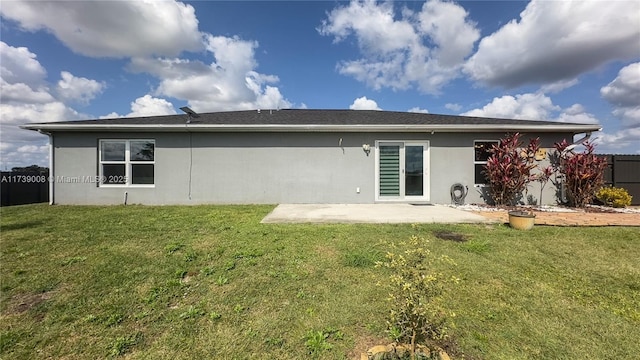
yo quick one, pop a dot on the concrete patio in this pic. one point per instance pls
(371, 213)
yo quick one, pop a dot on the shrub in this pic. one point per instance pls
(583, 173)
(508, 169)
(614, 197)
(417, 311)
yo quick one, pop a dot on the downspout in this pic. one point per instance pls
(51, 178)
(579, 142)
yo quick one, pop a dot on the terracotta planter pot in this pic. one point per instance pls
(521, 220)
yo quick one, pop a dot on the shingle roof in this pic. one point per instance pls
(311, 120)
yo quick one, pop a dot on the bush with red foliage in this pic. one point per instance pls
(509, 167)
(583, 172)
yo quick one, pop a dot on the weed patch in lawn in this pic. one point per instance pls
(192, 312)
(317, 342)
(123, 344)
(476, 246)
(73, 260)
(362, 258)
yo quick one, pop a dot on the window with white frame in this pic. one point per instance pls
(481, 151)
(127, 162)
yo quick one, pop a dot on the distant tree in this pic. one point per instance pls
(30, 169)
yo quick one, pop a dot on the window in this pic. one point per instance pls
(481, 155)
(127, 162)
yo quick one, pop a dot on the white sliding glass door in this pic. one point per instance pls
(402, 170)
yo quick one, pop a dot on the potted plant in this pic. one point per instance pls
(521, 220)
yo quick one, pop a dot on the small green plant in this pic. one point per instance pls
(310, 311)
(274, 342)
(215, 315)
(192, 312)
(229, 265)
(190, 256)
(123, 344)
(238, 309)
(334, 333)
(316, 342)
(361, 258)
(301, 294)
(171, 248)
(180, 273)
(113, 319)
(206, 271)
(222, 280)
(73, 260)
(395, 333)
(476, 246)
(417, 312)
(614, 197)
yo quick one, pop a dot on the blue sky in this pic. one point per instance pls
(542, 60)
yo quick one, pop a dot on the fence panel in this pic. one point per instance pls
(19, 188)
(623, 171)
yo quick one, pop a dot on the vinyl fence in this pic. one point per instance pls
(20, 188)
(624, 172)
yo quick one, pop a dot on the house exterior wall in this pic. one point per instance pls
(245, 168)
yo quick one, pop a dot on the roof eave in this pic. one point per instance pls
(576, 128)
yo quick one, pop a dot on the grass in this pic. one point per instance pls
(212, 282)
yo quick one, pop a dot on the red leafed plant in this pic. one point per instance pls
(508, 169)
(583, 172)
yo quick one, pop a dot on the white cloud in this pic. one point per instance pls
(453, 107)
(145, 106)
(112, 28)
(417, 109)
(556, 41)
(558, 86)
(229, 83)
(620, 142)
(538, 106)
(22, 147)
(533, 106)
(19, 65)
(446, 25)
(395, 54)
(624, 94)
(150, 106)
(374, 26)
(79, 89)
(110, 115)
(25, 98)
(522, 106)
(577, 114)
(22, 93)
(362, 103)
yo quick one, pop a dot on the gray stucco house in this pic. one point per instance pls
(280, 156)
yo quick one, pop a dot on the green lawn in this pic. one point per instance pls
(212, 282)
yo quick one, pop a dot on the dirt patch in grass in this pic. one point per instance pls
(23, 302)
(327, 251)
(451, 236)
(364, 343)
